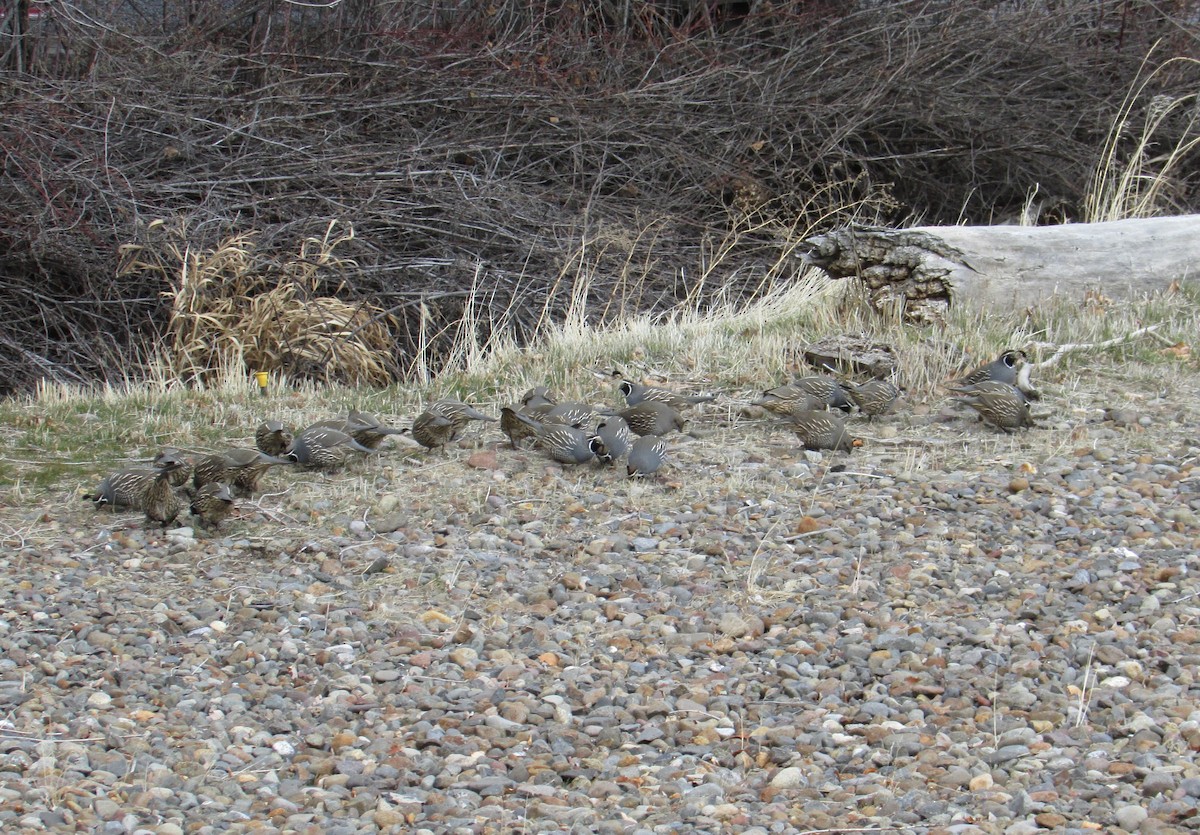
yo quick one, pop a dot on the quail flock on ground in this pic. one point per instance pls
(570, 433)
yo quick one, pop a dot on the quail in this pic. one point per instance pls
(652, 418)
(516, 429)
(562, 443)
(1003, 369)
(146, 489)
(211, 504)
(612, 439)
(323, 447)
(821, 430)
(179, 475)
(1004, 408)
(826, 389)
(636, 393)
(874, 397)
(570, 413)
(786, 399)
(367, 429)
(538, 396)
(272, 437)
(159, 502)
(646, 456)
(241, 469)
(443, 421)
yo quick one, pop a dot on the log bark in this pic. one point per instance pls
(922, 271)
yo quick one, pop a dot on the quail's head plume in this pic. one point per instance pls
(1003, 369)
(212, 503)
(647, 456)
(821, 430)
(636, 393)
(1002, 405)
(874, 397)
(272, 437)
(652, 417)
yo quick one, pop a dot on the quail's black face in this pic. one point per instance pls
(626, 388)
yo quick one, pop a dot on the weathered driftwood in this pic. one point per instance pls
(922, 271)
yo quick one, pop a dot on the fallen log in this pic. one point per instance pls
(922, 271)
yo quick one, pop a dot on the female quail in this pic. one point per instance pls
(211, 504)
(367, 429)
(1002, 405)
(516, 429)
(240, 468)
(443, 421)
(783, 400)
(874, 397)
(826, 389)
(179, 475)
(821, 430)
(323, 447)
(272, 437)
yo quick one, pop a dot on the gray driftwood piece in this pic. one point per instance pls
(924, 270)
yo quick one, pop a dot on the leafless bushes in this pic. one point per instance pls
(663, 151)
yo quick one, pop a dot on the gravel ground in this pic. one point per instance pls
(959, 632)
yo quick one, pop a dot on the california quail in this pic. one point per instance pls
(821, 430)
(874, 397)
(786, 399)
(646, 456)
(241, 469)
(636, 393)
(538, 396)
(1004, 408)
(367, 429)
(826, 389)
(211, 504)
(443, 421)
(323, 447)
(179, 475)
(1003, 369)
(652, 418)
(159, 502)
(612, 439)
(562, 443)
(517, 430)
(272, 437)
(570, 413)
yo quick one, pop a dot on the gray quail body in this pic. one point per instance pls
(826, 389)
(272, 437)
(570, 413)
(874, 397)
(323, 447)
(211, 504)
(636, 393)
(1003, 369)
(652, 418)
(1002, 405)
(145, 489)
(646, 456)
(367, 429)
(538, 396)
(562, 443)
(613, 439)
(821, 430)
(443, 421)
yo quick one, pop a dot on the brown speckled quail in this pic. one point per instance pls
(786, 399)
(443, 421)
(538, 396)
(999, 404)
(647, 455)
(562, 443)
(636, 393)
(211, 505)
(821, 430)
(145, 489)
(1003, 369)
(516, 429)
(826, 389)
(241, 469)
(874, 397)
(613, 439)
(179, 475)
(652, 418)
(273, 437)
(367, 429)
(323, 448)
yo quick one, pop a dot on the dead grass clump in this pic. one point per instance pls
(229, 306)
